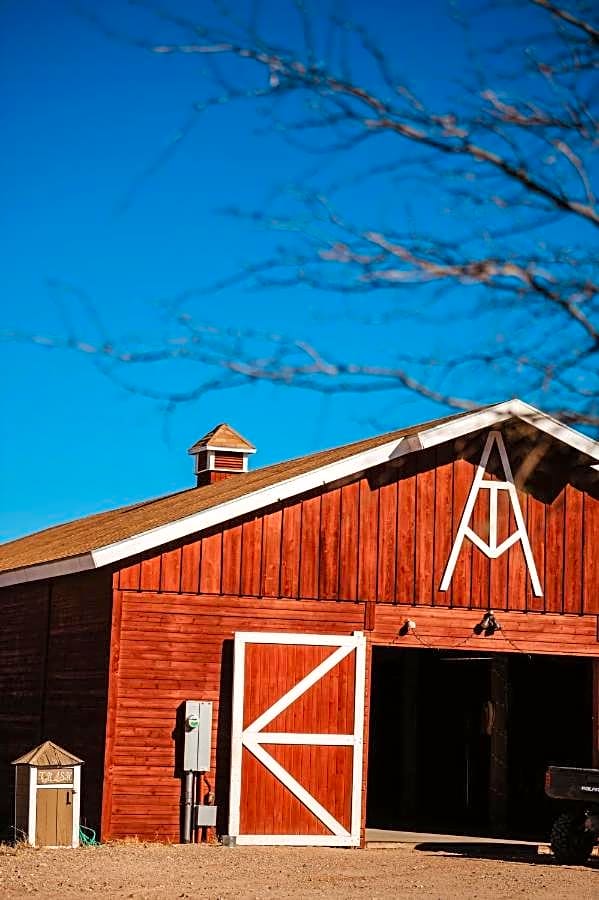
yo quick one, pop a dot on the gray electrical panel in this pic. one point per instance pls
(204, 816)
(197, 735)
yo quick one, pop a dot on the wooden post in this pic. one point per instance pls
(595, 753)
(408, 713)
(369, 615)
(498, 787)
(367, 699)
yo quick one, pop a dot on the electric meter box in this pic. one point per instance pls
(197, 727)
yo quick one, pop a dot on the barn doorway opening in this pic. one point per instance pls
(459, 742)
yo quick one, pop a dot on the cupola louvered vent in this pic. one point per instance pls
(219, 454)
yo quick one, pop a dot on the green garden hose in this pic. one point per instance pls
(87, 836)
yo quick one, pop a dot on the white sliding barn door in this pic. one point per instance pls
(297, 739)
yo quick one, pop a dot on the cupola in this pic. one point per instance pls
(219, 454)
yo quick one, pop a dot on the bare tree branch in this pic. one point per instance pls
(510, 167)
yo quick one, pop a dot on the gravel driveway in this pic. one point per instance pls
(136, 870)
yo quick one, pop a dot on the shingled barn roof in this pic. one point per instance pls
(106, 537)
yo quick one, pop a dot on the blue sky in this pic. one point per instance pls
(83, 118)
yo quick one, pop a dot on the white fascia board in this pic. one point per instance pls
(440, 434)
(556, 429)
(68, 566)
(227, 449)
(248, 503)
(476, 421)
(299, 484)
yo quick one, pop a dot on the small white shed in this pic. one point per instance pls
(47, 796)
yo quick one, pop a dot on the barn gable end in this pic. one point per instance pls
(385, 536)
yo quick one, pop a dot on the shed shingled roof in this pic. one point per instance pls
(47, 754)
(62, 543)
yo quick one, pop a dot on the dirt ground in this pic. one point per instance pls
(136, 870)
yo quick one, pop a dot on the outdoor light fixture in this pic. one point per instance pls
(408, 627)
(488, 625)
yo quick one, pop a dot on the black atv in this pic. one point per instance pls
(576, 831)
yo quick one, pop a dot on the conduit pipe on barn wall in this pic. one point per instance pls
(188, 801)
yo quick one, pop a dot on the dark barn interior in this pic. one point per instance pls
(459, 742)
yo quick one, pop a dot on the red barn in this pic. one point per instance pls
(399, 632)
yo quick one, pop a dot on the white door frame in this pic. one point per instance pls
(253, 738)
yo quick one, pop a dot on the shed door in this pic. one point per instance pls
(297, 739)
(54, 818)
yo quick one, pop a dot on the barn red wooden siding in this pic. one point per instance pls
(363, 555)
(54, 652)
(169, 647)
(357, 556)
(387, 540)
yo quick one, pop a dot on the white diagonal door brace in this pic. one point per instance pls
(310, 802)
(491, 548)
(253, 737)
(297, 690)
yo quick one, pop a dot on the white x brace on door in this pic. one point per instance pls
(324, 677)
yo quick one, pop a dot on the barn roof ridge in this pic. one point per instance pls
(107, 537)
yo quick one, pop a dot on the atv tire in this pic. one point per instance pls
(570, 842)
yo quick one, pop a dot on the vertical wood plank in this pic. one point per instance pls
(554, 554)
(368, 543)
(150, 573)
(348, 542)
(443, 527)
(271, 553)
(190, 567)
(251, 557)
(498, 575)
(591, 556)
(231, 574)
(573, 550)
(267, 795)
(330, 516)
(425, 536)
(46, 819)
(290, 550)
(170, 570)
(387, 540)
(211, 563)
(517, 568)
(480, 569)
(129, 577)
(536, 535)
(463, 477)
(405, 590)
(310, 548)
(64, 817)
